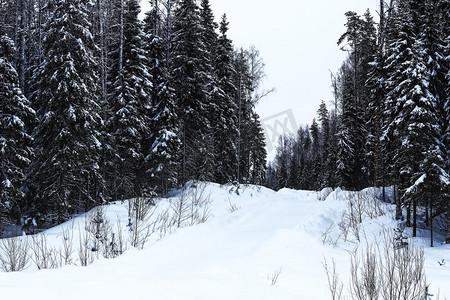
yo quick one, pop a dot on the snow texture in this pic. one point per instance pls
(234, 255)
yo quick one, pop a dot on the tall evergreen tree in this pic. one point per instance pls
(163, 142)
(258, 153)
(130, 107)
(16, 153)
(227, 117)
(326, 159)
(189, 81)
(66, 176)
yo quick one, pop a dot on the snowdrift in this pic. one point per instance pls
(212, 242)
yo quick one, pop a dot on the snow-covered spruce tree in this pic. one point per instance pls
(189, 81)
(16, 152)
(65, 175)
(435, 23)
(375, 122)
(361, 38)
(445, 8)
(325, 136)
(258, 153)
(130, 107)
(400, 60)
(153, 20)
(414, 120)
(282, 162)
(212, 92)
(306, 181)
(163, 142)
(348, 133)
(226, 124)
(316, 159)
(295, 165)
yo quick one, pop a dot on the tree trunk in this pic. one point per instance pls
(381, 29)
(447, 240)
(398, 204)
(414, 217)
(431, 224)
(408, 215)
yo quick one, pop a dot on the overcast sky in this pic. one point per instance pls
(297, 39)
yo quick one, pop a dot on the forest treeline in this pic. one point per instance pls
(98, 104)
(389, 122)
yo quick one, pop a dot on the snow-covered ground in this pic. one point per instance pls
(256, 244)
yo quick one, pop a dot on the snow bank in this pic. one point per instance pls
(256, 244)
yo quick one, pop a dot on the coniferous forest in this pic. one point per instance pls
(98, 103)
(388, 124)
(136, 158)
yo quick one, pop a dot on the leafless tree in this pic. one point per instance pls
(335, 285)
(43, 255)
(389, 273)
(66, 251)
(365, 283)
(13, 254)
(85, 254)
(141, 221)
(191, 207)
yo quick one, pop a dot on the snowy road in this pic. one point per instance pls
(232, 256)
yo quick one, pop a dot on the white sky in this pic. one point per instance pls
(298, 42)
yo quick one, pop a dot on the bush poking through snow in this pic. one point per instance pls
(44, 256)
(191, 207)
(66, 251)
(232, 207)
(85, 254)
(360, 206)
(335, 285)
(327, 236)
(142, 222)
(402, 272)
(13, 254)
(383, 272)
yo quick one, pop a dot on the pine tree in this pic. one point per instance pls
(226, 125)
(163, 143)
(16, 153)
(326, 160)
(66, 175)
(347, 161)
(316, 166)
(434, 20)
(445, 8)
(376, 106)
(258, 153)
(189, 82)
(128, 123)
(415, 121)
(361, 38)
(282, 163)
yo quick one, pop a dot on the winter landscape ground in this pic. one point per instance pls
(246, 243)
